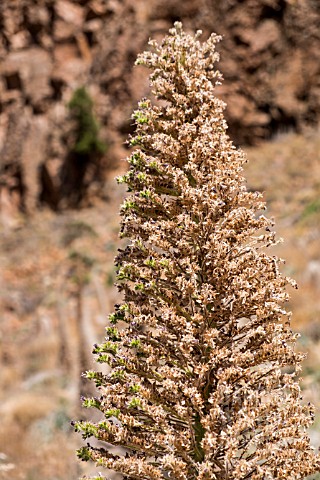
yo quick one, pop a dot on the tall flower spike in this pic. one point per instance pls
(202, 363)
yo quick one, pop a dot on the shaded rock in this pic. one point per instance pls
(29, 71)
(68, 65)
(34, 148)
(63, 31)
(270, 59)
(266, 36)
(69, 12)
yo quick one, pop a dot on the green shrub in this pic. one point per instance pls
(87, 127)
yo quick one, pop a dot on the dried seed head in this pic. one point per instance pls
(202, 382)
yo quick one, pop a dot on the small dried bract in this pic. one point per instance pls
(202, 362)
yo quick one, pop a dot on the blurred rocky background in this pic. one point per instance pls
(67, 90)
(270, 58)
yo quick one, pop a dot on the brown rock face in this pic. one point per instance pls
(270, 58)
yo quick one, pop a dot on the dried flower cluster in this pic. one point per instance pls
(202, 383)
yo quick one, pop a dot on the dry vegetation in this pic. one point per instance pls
(202, 379)
(47, 293)
(56, 290)
(56, 271)
(288, 170)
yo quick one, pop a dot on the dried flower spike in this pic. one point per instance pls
(202, 365)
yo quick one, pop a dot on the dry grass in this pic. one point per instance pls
(288, 170)
(40, 346)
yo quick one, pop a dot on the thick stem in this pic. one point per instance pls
(199, 434)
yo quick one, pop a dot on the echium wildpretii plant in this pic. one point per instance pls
(202, 383)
